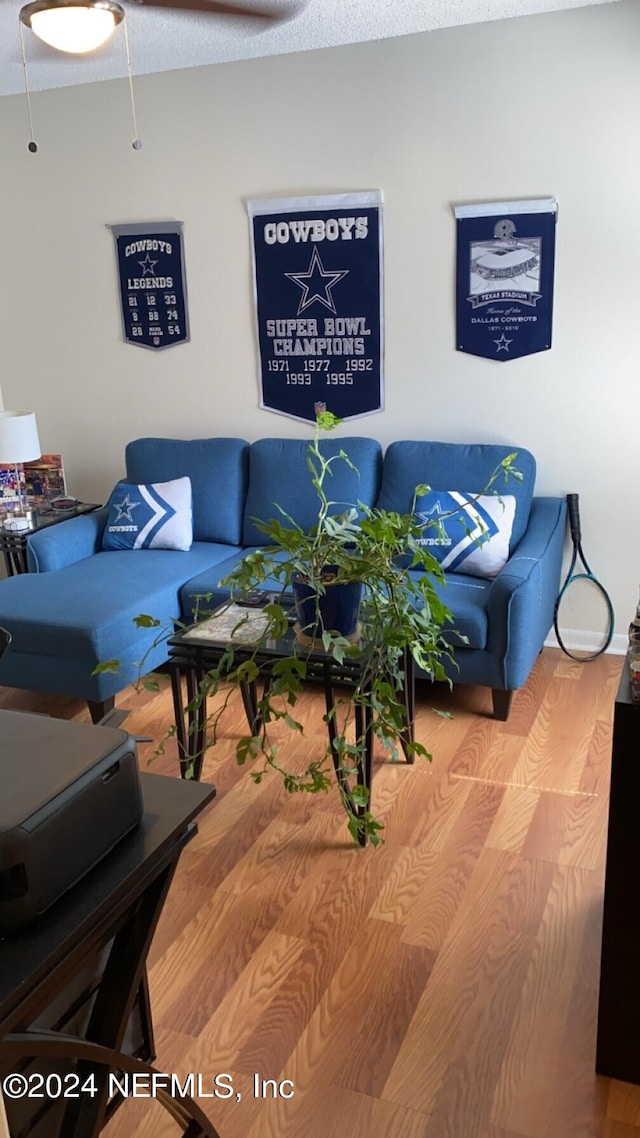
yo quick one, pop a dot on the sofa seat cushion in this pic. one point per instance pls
(466, 598)
(86, 611)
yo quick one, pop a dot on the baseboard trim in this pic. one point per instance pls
(585, 640)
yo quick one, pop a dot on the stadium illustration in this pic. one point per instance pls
(504, 262)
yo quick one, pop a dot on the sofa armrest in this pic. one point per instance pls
(66, 542)
(523, 596)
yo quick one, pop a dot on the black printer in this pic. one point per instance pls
(68, 793)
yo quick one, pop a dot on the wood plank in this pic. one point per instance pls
(466, 1012)
(404, 885)
(526, 702)
(614, 1129)
(438, 904)
(569, 830)
(363, 980)
(554, 754)
(513, 818)
(624, 1103)
(533, 1055)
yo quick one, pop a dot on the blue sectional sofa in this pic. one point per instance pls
(76, 607)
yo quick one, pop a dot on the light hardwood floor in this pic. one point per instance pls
(442, 986)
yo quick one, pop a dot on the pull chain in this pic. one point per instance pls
(137, 143)
(33, 145)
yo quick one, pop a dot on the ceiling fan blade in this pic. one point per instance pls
(216, 8)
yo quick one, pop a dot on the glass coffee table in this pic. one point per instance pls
(195, 652)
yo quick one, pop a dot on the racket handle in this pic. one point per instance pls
(574, 518)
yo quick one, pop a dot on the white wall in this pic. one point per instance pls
(539, 106)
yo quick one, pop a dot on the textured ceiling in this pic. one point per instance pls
(163, 40)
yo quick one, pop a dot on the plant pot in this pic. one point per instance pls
(335, 610)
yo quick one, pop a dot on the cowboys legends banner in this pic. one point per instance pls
(151, 275)
(504, 278)
(317, 272)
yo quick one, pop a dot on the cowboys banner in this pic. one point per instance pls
(504, 278)
(152, 283)
(317, 272)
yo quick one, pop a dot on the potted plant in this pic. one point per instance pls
(367, 554)
(394, 614)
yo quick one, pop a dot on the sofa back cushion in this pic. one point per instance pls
(218, 469)
(464, 467)
(279, 476)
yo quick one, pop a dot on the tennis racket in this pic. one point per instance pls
(583, 594)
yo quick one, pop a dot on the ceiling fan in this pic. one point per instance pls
(81, 26)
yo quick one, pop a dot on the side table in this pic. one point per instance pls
(13, 543)
(73, 989)
(618, 1040)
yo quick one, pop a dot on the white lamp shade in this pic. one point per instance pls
(18, 437)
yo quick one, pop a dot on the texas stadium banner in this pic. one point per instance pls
(504, 278)
(151, 275)
(317, 276)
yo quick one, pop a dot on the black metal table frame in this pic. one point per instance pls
(195, 659)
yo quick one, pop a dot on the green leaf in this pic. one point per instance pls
(106, 666)
(143, 620)
(247, 748)
(360, 796)
(327, 421)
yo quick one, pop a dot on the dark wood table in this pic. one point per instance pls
(73, 988)
(13, 543)
(618, 1041)
(193, 653)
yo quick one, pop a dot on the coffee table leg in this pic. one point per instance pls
(364, 731)
(363, 723)
(197, 718)
(343, 781)
(250, 700)
(179, 716)
(409, 696)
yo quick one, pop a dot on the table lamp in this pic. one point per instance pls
(18, 443)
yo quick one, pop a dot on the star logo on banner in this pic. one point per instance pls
(316, 283)
(148, 265)
(503, 343)
(124, 509)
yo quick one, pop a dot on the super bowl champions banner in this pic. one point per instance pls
(152, 283)
(317, 271)
(504, 278)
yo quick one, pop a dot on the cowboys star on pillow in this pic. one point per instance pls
(155, 516)
(467, 533)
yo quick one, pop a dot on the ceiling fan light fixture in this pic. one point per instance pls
(73, 26)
